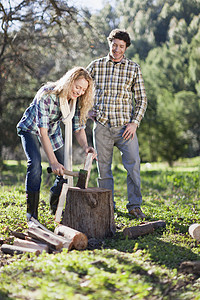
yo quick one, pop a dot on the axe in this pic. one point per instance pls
(82, 176)
(87, 169)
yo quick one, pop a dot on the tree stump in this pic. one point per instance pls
(90, 211)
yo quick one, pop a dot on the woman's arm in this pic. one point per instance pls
(57, 168)
(82, 140)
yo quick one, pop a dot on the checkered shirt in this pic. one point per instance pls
(115, 84)
(46, 113)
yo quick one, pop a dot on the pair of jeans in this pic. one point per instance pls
(31, 146)
(105, 138)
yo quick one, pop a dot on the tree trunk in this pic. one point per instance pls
(90, 211)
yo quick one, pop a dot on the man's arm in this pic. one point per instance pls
(140, 97)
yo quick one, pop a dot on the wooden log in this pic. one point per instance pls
(135, 231)
(76, 239)
(29, 244)
(157, 224)
(194, 231)
(64, 241)
(192, 267)
(44, 236)
(13, 249)
(20, 235)
(90, 211)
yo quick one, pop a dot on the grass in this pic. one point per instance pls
(144, 268)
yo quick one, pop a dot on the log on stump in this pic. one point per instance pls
(194, 231)
(76, 239)
(90, 211)
(13, 249)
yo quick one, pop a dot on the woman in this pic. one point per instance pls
(55, 101)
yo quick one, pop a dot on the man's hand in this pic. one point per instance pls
(130, 130)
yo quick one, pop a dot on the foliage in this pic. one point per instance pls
(40, 40)
(143, 268)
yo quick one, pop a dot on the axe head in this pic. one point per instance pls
(82, 178)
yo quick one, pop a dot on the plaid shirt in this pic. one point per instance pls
(46, 113)
(115, 85)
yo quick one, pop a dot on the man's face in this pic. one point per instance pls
(117, 49)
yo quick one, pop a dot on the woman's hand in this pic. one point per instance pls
(82, 140)
(91, 150)
(92, 114)
(57, 168)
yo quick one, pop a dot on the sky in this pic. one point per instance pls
(92, 5)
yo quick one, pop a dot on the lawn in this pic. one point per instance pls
(120, 268)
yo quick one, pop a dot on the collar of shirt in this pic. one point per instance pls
(108, 58)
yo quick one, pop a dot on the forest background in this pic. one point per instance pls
(41, 39)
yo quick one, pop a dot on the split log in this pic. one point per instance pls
(20, 235)
(43, 236)
(194, 231)
(190, 267)
(29, 244)
(135, 231)
(157, 224)
(90, 211)
(76, 239)
(146, 228)
(66, 242)
(13, 249)
(53, 240)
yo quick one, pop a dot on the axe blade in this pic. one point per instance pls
(82, 178)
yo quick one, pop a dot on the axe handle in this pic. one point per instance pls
(66, 172)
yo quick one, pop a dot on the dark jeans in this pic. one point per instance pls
(31, 146)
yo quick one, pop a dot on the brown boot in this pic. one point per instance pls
(137, 213)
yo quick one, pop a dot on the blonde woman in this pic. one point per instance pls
(70, 96)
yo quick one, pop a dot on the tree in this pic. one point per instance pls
(36, 38)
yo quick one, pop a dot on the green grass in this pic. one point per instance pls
(144, 268)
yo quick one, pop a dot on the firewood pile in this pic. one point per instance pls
(38, 238)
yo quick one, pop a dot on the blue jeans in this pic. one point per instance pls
(31, 146)
(105, 138)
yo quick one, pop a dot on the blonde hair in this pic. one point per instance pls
(62, 87)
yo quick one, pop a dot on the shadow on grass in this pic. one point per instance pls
(161, 252)
(133, 268)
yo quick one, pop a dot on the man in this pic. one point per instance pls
(118, 81)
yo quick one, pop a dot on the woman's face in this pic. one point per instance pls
(78, 88)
